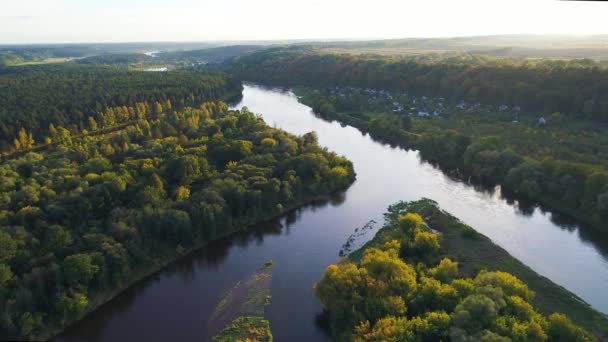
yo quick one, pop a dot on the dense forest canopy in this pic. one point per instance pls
(74, 97)
(562, 164)
(107, 173)
(38, 53)
(402, 286)
(91, 213)
(573, 87)
(210, 55)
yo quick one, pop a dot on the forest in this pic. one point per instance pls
(574, 87)
(108, 174)
(407, 285)
(562, 165)
(80, 98)
(91, 214)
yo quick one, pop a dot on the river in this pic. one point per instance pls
(175, 304)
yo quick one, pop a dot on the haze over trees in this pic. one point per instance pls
(563, 166)
(573, 87)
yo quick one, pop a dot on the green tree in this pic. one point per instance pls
(475, 313)
(186, 169)
(562, 329)
(5, 276)
(72, 307)
(57, 238)
(8, 247)
(158, 108)
(78, 269)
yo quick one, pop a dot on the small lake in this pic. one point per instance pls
(175, 304)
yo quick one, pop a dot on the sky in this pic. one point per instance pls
(71, 21)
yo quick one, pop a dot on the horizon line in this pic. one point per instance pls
(304, 39)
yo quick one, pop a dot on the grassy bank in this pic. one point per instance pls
(474, 252)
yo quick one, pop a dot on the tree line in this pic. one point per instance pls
(33, 98)
(85, 216)
(567, 174)
(574, 87)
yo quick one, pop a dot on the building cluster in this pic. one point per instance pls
(419, 106)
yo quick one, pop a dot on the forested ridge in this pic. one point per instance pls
(576, 87)
(563, 168)
(405, 285)
(92, 213)
(34, 100)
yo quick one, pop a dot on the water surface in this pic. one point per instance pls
(176, 303)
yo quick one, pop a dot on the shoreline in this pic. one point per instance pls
(101, 299)
(581, 220)
(477, 252)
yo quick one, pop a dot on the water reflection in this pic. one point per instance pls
(175, 304)
(525, 207)
(185, 271)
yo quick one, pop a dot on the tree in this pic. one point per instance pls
(511, 285)
(158, 108)
(268, 143)
(475, 313)
(182, 193)
(78, 269)
(387, 267)
(24, 140)
(410, 222)
(57, 238)
(186, 169)
(5, 276)
(431, 327)
(446, 271)
(93, 124)
(72, 307)
(8, 247)
(426, 243)
(562, 329)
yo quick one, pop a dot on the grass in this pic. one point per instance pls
(243, 307)
(474, 252)
(246, 329)
(44, 61)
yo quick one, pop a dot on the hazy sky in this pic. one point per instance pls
(34, 21)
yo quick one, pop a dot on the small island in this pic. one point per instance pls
(240, 313)
(427, 276)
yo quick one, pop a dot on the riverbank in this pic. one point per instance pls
(448, 148)
(474, 252)
(140, 275)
